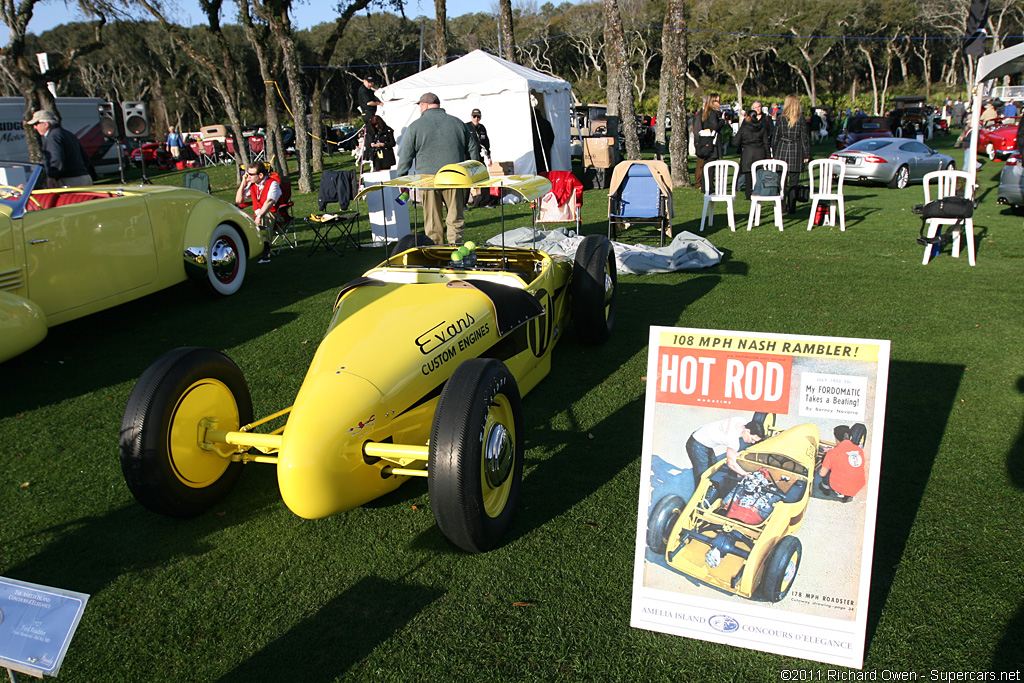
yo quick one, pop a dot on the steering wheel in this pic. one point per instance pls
(11, 192)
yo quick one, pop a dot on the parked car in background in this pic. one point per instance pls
(894, 161)
(862, 128)
(998, 140)
(153, 152)
(909, 116)
(1011, 184)
(69, 252)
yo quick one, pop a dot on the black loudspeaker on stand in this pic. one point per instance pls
(136, 127)
(112, 127)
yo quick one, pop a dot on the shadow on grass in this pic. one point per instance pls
(1008, 655)
(90, 553)
(338, 635)
(577, 465)
(919, 402)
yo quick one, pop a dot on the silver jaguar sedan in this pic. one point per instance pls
(894, 161)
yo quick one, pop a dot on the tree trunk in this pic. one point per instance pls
(679, 143)
(616, 56)
(666, 92)
(874, 78)
(441, 31)
(316, 128)
(298, 99)
(275, 13)
(272, 131)
(508, 39)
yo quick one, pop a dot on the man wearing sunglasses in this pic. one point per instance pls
(264, 192)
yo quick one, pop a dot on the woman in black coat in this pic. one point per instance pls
(792, 143)
(752, 143)
(379, 145)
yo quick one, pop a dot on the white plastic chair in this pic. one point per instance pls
(719, 186)
(780, 167)
(939, 184)
(827, 176)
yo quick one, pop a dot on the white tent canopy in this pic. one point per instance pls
(996, 65)
(501, 90)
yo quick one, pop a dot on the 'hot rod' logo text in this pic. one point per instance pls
(442, 333)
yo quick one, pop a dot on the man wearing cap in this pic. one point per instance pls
(481, 136)
(366, 99)
(434, 140)
(66, 164)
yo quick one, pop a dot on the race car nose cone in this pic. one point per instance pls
(498, 455)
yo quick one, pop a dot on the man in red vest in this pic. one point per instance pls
(264, 191)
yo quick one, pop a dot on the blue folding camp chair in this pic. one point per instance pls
(637, 197)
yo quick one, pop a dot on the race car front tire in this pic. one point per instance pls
(163, 464)
(780, 570)
(661, 520)
(475, 464)
(594, 289)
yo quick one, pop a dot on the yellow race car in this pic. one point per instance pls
(419, 374)
(736, 533)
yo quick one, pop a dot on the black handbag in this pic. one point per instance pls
(952, 208)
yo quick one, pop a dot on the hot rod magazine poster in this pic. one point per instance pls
(759, 488)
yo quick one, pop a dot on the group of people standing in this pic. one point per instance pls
(787, 139)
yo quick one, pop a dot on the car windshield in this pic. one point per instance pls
(872, 145)
(14, 178)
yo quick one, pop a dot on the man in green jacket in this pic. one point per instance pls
(434, 140)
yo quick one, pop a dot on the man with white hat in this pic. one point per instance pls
(66, 164)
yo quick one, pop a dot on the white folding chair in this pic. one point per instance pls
(939, 184)
(719, 186)
(827, 176)
(780, 167)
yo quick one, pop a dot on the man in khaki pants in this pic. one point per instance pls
(434, 140)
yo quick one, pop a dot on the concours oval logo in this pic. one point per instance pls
(724, 623)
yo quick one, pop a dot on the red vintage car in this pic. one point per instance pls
(154, 152)
(998, 140)
(859, 128)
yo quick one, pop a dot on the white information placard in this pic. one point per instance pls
(759, 490)
(36, 626)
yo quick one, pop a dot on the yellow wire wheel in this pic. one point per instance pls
(165, 464)
(475, 464)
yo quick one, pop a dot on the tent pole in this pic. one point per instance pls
(979, 87)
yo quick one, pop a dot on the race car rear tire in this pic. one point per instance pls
(781, 568)
(475, 464)
(661, 520)
(164, 466)
(226, 262)
(409, 241)
(594, 289)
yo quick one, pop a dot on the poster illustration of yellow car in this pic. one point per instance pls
(759, 489)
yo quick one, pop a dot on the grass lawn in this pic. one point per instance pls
(250, 592)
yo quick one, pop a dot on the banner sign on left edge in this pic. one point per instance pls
(36, 626)
(759, 490)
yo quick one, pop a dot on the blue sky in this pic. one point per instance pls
(50, 13)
